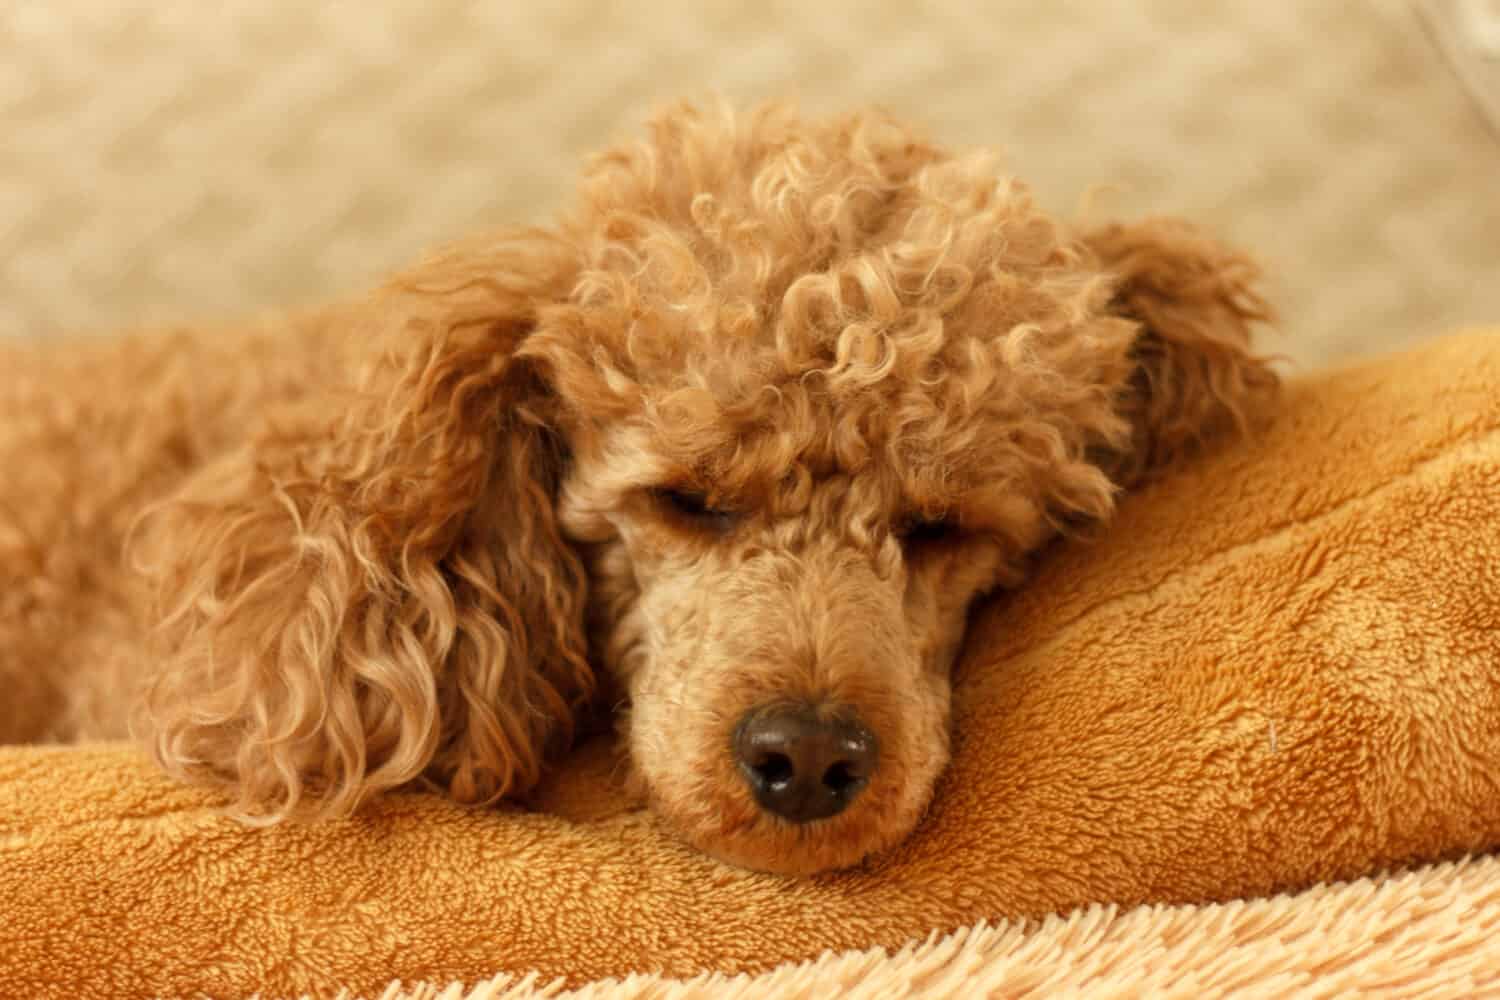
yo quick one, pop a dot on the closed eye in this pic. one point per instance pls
(927, 531)
(694, 508)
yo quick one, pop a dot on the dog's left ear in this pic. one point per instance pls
(1195, 372)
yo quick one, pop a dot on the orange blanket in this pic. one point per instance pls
(1278, 667)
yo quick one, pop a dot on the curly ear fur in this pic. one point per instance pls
(375, 590)
(1195, 302)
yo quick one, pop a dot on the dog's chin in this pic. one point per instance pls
(781, 848)
(730, 827)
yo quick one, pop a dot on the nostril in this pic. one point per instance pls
(774, 769)
(841, 778)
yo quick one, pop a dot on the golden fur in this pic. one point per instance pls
(415, 537)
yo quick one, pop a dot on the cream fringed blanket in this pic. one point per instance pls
(1277, 668)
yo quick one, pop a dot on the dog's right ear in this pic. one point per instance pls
(375, 589)
(1195, 302)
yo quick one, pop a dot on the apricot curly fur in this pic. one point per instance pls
(413, 537)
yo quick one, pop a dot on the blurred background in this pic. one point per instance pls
(185, 161)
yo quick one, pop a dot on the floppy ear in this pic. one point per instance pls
(1194, 371)
(375, 589)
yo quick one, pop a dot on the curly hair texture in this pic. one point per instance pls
(732, 447)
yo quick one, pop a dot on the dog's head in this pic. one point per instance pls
(749, 431)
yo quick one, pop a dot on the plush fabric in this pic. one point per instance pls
(1424, 933)
(1278, 667)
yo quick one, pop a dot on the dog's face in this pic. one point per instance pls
(818, 394)
(733, 602)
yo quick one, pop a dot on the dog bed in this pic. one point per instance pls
(1278, 668)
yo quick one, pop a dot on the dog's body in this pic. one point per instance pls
(742, 439)
(94, 431)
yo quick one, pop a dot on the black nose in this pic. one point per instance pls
(802, 763)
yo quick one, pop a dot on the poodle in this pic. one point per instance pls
(728, 452)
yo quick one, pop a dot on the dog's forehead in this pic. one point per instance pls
(755, 432)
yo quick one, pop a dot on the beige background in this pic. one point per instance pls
(176, 160)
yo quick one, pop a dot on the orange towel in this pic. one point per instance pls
(1280, 666)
